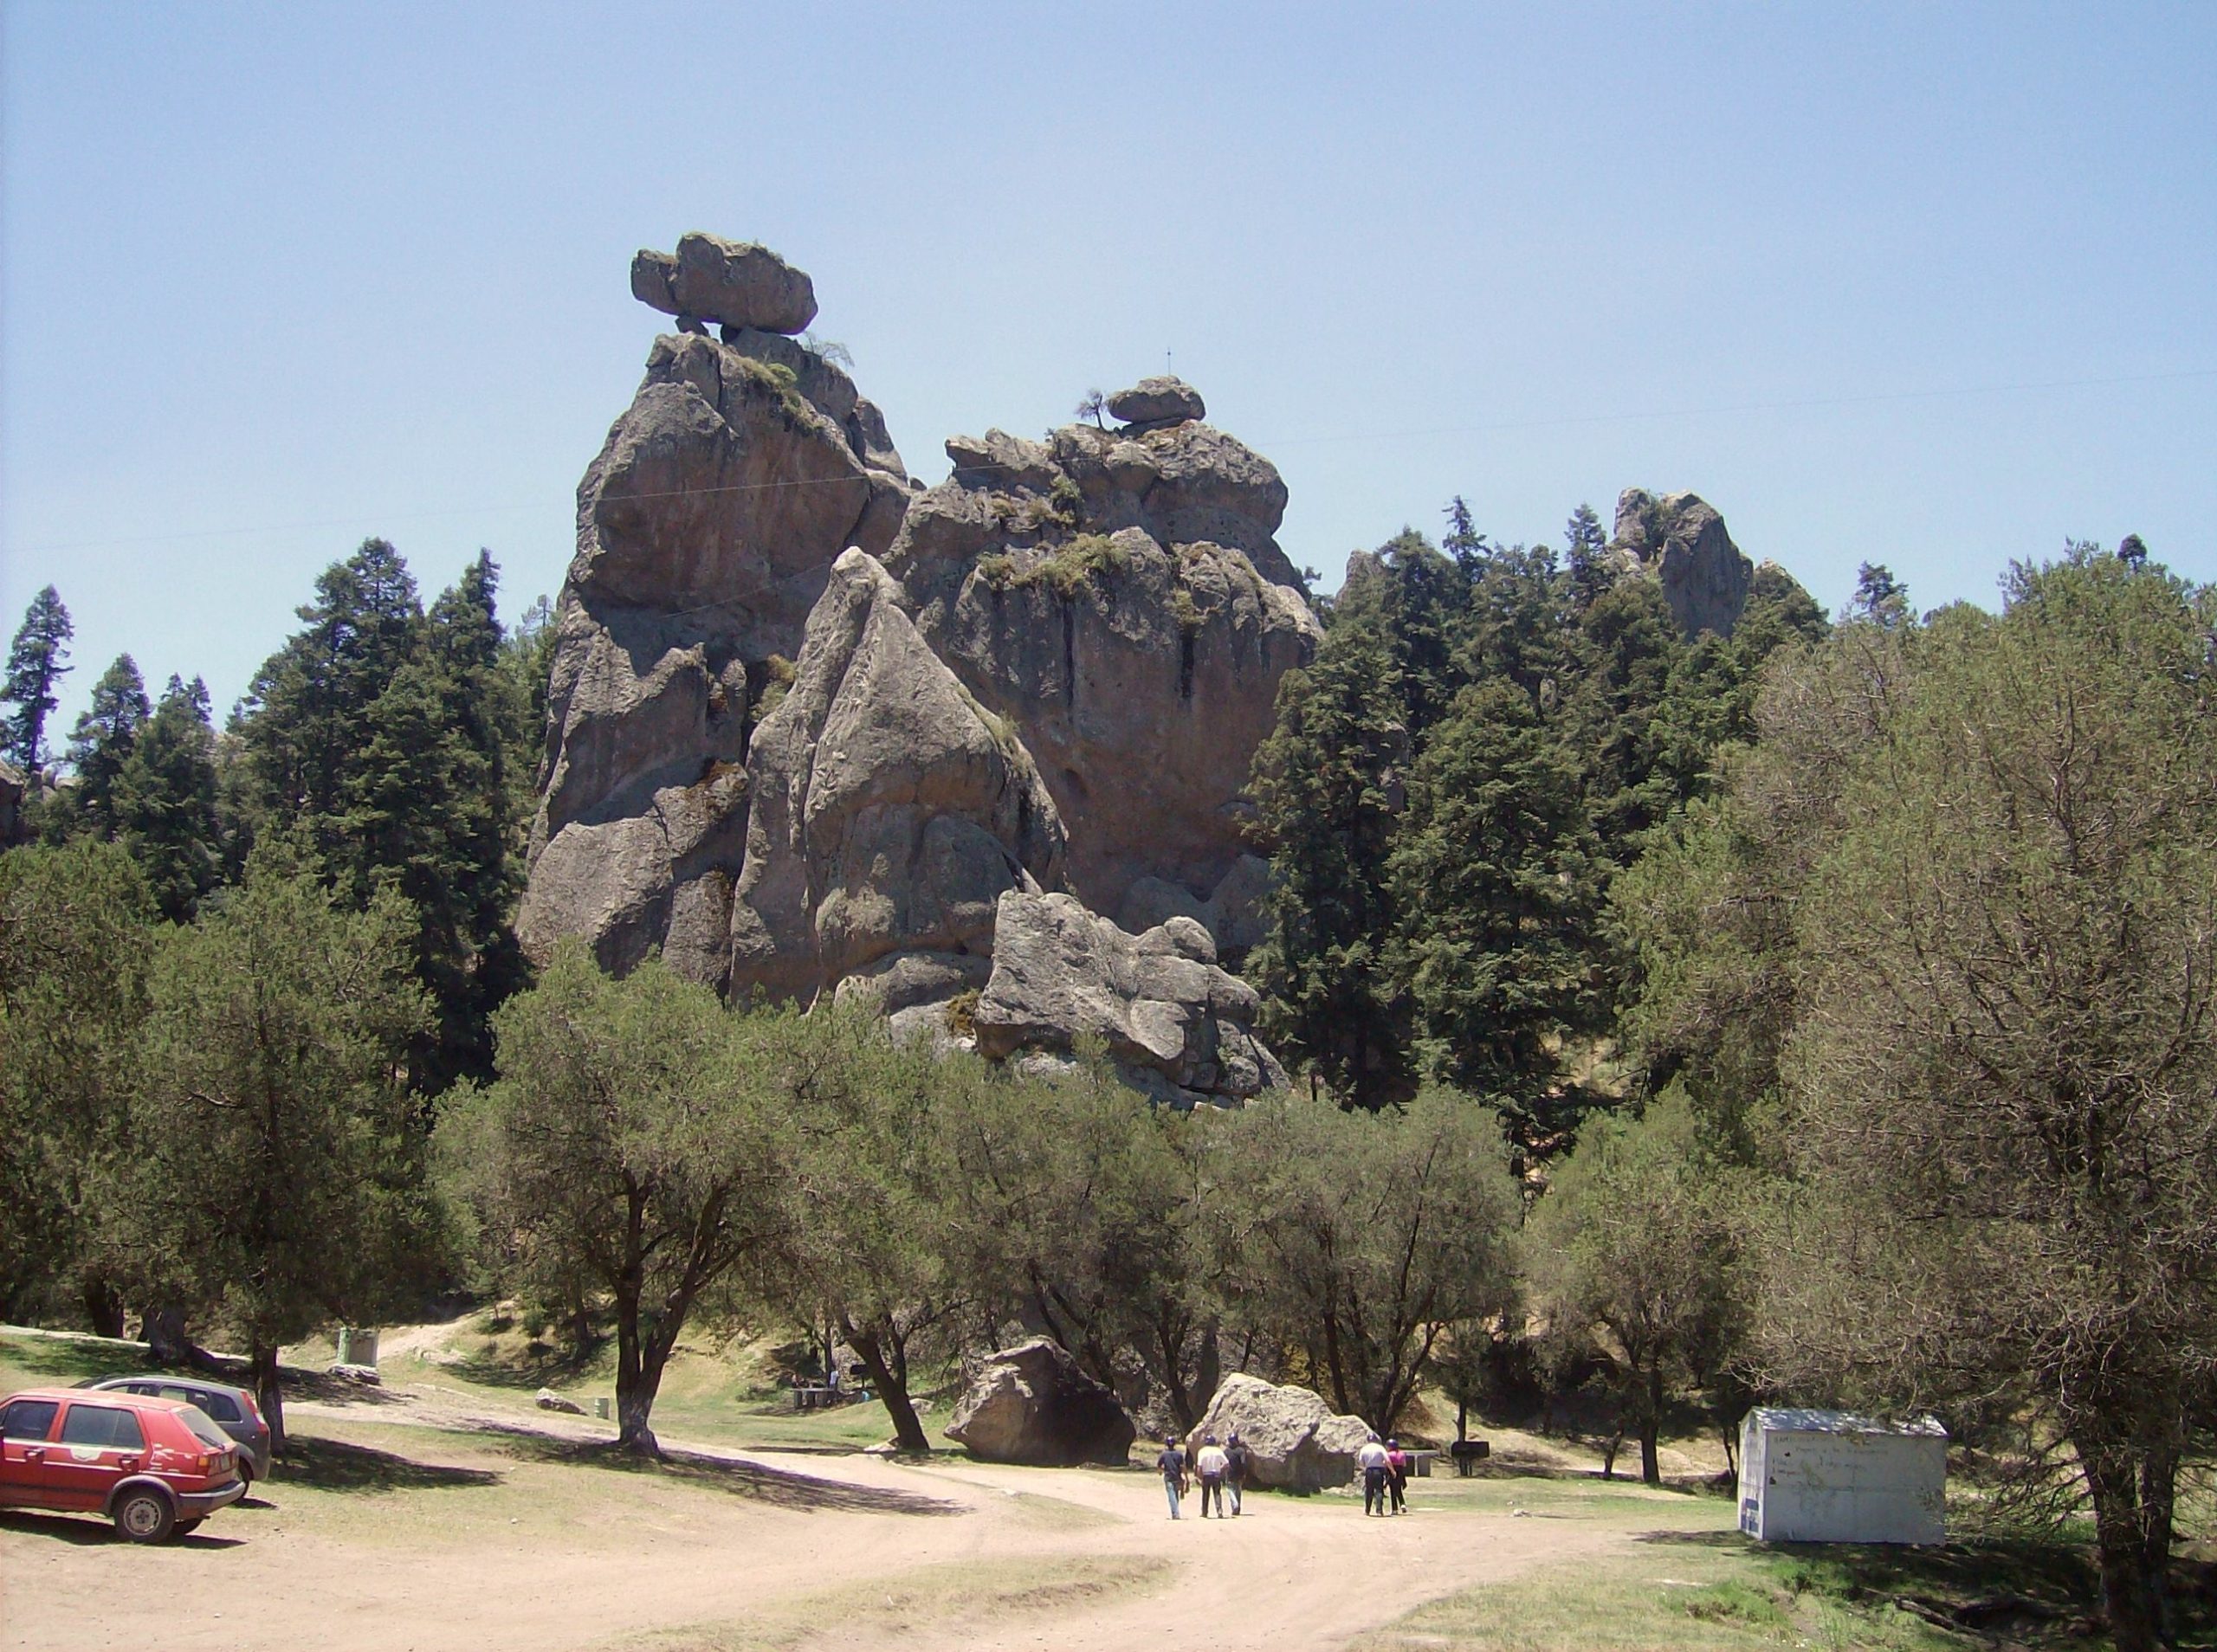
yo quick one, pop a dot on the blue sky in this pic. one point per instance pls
(276, 277)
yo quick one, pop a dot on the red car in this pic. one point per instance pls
(155, 1467)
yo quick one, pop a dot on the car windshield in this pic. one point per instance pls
(204, 1430)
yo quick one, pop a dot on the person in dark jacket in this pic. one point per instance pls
(1171, 1464)
(1235, 1472)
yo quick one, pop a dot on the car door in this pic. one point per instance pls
(95, 1446)
(25, 1425)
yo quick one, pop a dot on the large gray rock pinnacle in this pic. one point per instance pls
(706, 528)
(890, 811)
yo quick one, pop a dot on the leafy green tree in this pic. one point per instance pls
(36, 666)
(1498, 881)
(2002, 1082)
(75, 940)
(1879, 599)
(1585, 557)
(1631, 1260)
(628, 1140)
(1629, 644)
(273, 1180)
(166, 803)
(1358, 1240)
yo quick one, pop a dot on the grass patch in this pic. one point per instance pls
(1073, 566)
(28, 1359)
(942, 1596)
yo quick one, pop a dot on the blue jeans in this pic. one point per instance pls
(1170, 1490)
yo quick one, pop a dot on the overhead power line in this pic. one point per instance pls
(1485, 426)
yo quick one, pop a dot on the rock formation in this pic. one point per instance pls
(1680, 540)
(811, 730)
(889, 813)
(11, 805)
(1031, 1405)
(706, 529)
(1118, 597)
(1177, 1026)
(1295, 1441)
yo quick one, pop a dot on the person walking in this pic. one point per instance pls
(1209, 1462)
(1373, 1461)
(1235, 1469)
(1396, 1475)
(1172, 1466)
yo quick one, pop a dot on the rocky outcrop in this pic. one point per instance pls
(706, 528)
(734, 282)
(1679, 539)
(1031, 1405)
(1295, 1441)
(890, 813)
(1120, 598)
(1177, 1027)
(11, 805)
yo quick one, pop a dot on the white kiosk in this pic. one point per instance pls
(1831, 1477)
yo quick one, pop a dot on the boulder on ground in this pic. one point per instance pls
(1295, 1441)
(738, 283)
(1031, 1405)
(1158, 400)
(1177, 1027)
(548, 1400)
(1680, 540)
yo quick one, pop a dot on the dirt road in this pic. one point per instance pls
(439, 1544)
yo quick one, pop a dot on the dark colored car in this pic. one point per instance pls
(232, 1409)
(156, 1468)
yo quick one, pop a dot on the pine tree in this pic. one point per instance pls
(99, 747)
(1327, 785)
(1498, 879)
(1585, 557)
(35, 667)
(165, 802)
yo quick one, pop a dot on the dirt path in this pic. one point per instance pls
(585, 1555)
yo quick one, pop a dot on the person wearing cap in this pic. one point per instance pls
(1235, 1469)
(1209, 1462)
(1172, 1466)
(1373, 1461)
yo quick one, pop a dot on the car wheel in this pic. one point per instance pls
(144, 1516)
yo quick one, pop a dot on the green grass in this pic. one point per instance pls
(967, 1593)
(29, 1360)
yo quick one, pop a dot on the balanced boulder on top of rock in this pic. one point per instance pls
(1031, 1405)
(1160, 400)
(1295, 1441)
(735, 282)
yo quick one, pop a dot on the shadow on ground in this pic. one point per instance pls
(333, 1465)
(87, 1532)
(779, 1488)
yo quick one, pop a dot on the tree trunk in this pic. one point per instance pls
(1650, 1425)
(639, 1361)
(2132, 1538)
(103, 1308)
(892, 1388)
(161, 1329)
(1609, 1453)
(268, 1389)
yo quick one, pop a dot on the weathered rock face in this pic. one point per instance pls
(1031, 1405)
(736, 282)
(11, 805)
(1680, 540)
(706, 528)
(1295, 1441)
(1179, 1028)
(1120, 599)
(890, 813)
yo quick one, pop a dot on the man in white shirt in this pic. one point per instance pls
(1209, 1462)
(1374, 1461)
